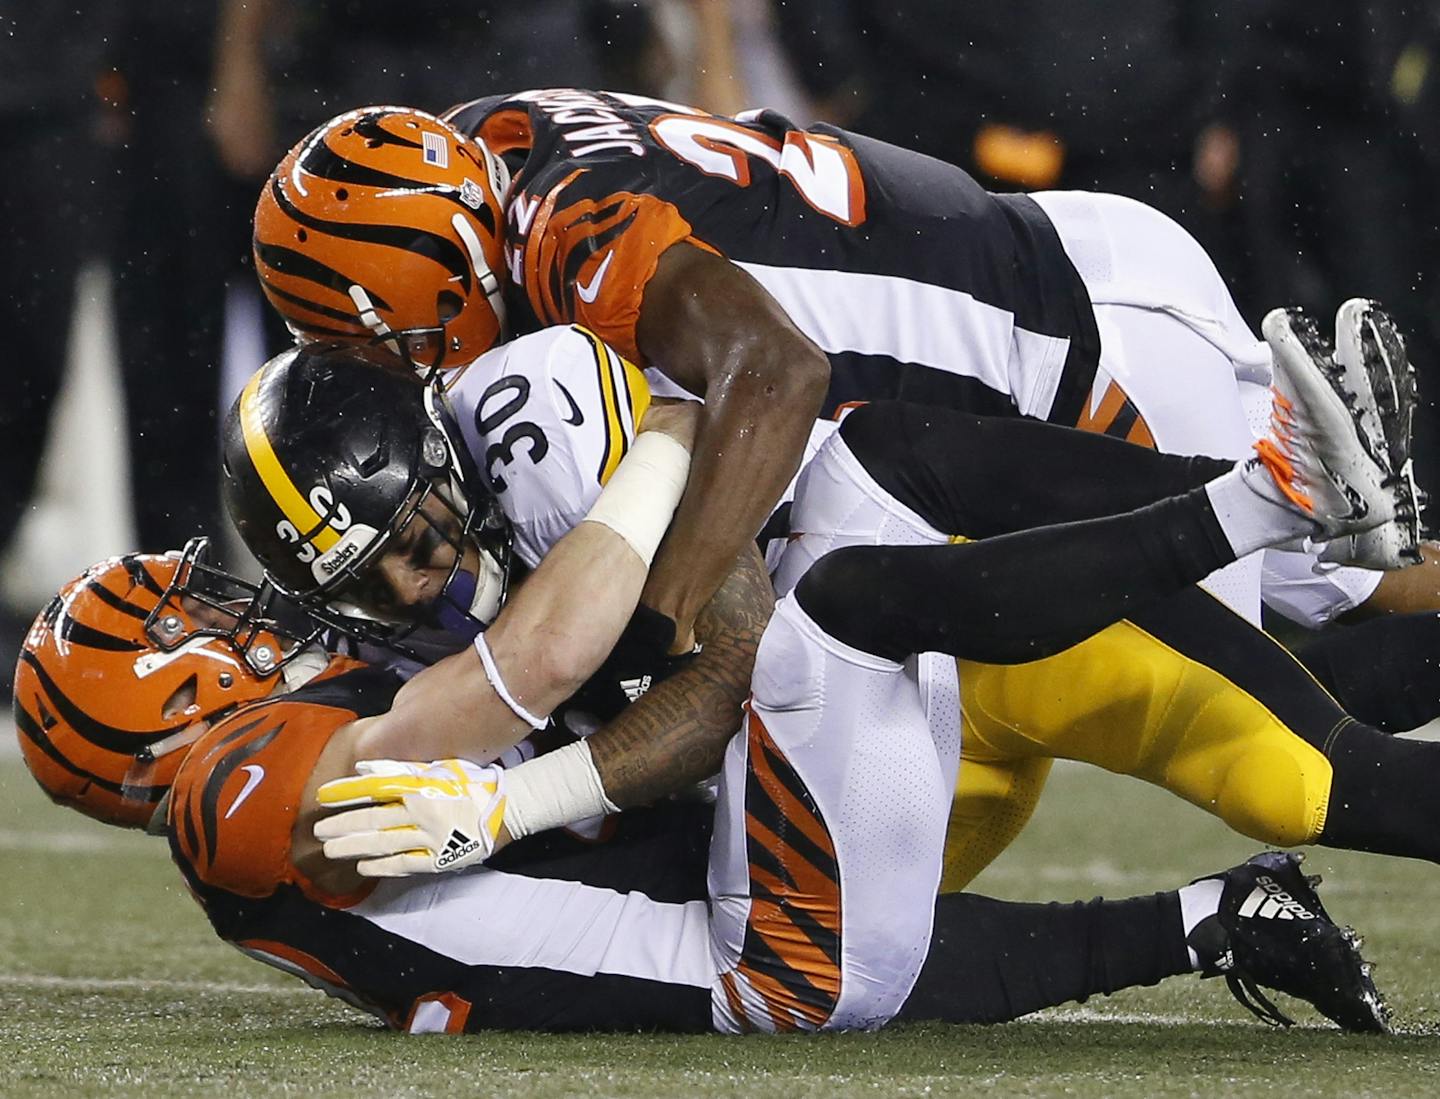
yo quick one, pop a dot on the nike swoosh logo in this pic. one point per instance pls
(577, 417)
(589, 291)
(256, 773)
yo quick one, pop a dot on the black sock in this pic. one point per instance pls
(1016, 597)
(980, 476)
(1382, 796)
(991, 961)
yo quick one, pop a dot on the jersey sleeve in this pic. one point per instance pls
(591, 251)
(237, 796)
(548, 432)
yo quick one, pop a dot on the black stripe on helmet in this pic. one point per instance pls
(77, 633)
(125, 741)
(368, 126)
(140, 575)
(290, 262)
(30, 729)
(405, 238)
(315, 307)
(110, 599)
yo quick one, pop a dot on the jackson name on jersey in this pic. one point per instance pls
(914, 280)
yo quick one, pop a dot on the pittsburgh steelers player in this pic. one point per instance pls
(1246, 734)
(757, 265)
(820, 915)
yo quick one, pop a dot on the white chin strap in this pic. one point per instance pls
(489, 586)
(488, 280)
(370, 316)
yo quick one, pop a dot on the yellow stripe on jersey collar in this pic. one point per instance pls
(287, 497)
(621, 383)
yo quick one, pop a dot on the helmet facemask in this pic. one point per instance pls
(203, 601)
(440, 526)
(128, 666)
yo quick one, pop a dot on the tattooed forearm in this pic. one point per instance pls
(675, 735)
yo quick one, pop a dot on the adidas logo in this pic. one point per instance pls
(634, 688)
(1269, 901)
(456, 848)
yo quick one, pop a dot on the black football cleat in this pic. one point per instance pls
(1272, 931)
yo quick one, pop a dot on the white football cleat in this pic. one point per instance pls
(1333, 450)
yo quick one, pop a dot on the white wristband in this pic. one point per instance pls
(558, 788)
(492, 673)
(641, 495)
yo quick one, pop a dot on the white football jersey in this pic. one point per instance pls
(547, 419)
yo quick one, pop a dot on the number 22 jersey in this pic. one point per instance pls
(914, 280)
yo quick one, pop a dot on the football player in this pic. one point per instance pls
(1255, 741)
(832, 802)
(753, 263)
(762, 266)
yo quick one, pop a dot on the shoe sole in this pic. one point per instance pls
(1307, 375)
(1370, 352)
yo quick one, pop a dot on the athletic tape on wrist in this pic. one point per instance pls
(641, 496)
(559, 788)
(492, 673)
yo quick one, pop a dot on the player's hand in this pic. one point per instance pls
(642, 657)
(414, 818)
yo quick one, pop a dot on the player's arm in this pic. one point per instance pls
(401, 818)
(675, 734)
(1405, 591)
(557, 628)
(712, 328)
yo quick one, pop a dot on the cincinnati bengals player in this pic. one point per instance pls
(743, 259)
(622, 937)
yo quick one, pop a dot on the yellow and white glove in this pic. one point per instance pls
(415, 818)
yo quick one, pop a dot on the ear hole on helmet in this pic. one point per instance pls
(342, 193)
(448, 305)
(180, 700)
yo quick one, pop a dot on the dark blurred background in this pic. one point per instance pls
(1299, 140)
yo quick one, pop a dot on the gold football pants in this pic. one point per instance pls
(1185, 696)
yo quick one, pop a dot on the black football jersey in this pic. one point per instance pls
(560, 931)
(913, 279)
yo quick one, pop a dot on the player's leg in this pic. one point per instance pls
(826, 851)
(1383, 672)
(991, 961)
(828, 836)
(1337, 463)
(994, 799)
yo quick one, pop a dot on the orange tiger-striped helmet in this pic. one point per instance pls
(125, 668)
(385, 225)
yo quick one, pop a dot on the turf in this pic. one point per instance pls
(112, 984)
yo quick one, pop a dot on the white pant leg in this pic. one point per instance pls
(829, 835)
(1171, 338)
(837, 503)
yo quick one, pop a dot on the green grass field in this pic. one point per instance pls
(112, 984)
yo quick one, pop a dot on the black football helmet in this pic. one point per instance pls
(331, 454)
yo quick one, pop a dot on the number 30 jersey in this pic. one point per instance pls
(914, 280)
(548, 417)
